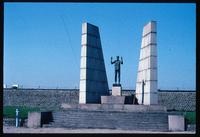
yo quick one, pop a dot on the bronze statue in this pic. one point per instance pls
(117, 68)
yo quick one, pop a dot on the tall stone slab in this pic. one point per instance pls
(146, 84)
(93, 79)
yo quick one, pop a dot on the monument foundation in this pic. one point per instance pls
(116, 90)
(116, 97)
(112, 112)
(112, 99)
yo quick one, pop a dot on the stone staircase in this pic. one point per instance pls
(143, 121)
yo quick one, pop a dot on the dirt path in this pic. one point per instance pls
(9, 129)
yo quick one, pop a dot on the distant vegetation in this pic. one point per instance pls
(10, 111)
(190, 117)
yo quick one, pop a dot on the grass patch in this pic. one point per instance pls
(190, 117)
(10, 111)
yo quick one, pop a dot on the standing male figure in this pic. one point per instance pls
(117, 68)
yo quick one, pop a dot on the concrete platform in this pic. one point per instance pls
(8, 129)
(114, 107)
(116, 90)
(176, 123)
(112, 99)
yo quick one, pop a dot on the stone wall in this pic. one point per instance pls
(183, 101)
(42, 98)
(52, 98)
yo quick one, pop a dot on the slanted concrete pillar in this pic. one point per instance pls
(147, 68)
(93, 79)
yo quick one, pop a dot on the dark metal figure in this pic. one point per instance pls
(117, 68)
(143, 91)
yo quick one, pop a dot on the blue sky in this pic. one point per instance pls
(42, 42)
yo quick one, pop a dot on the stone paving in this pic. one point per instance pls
(11, 129)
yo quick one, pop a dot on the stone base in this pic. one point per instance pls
(123, 120)
(176, 123)
(112, 99)
(150, 98)
(116, 85)
(34, 120)
(114, 107)
(116, 90)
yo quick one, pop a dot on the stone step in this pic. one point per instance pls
(147, 119)
(110, 113)
(114, 107)
(110, 120)
(48, 125)
(96, 116)
(128, 120)
(105, 116)
(109, 123)
(75, 126)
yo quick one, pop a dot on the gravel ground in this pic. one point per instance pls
(9, 129)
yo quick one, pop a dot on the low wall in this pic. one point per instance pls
(42, 98)
(182, 101)
(53, 98)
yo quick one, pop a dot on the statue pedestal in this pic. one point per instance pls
(116, 90)
(116, 97)
(112, 99)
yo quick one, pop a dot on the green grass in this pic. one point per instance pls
(190, 117)
(9, 111)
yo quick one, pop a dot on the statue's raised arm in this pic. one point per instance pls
(112, 62)
(121, 60)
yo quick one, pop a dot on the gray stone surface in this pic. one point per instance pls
(191, 127)
(114, 107)
(112, 99)
(51, 99)
(41, 98)
(176, 123)
(93, 79)
(181, 101)
(9, 121)
(116, 90)
(9, 129)
(111, 120)
(34, 119)
(147, 67)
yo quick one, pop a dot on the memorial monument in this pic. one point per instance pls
(146, 84)
(93, 79)
(99, 110)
